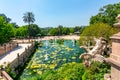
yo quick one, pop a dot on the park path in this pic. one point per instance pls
(10, 56)
(75, 37)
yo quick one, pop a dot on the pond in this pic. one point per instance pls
(51, 55)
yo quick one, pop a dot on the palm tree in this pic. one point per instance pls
(28, 18)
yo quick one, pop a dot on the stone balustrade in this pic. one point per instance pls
(4, 75)
(7, 47)
(20, 60)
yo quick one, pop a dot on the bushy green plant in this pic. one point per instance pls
(96, 71)
(69, 71)
(60, 41)
(10, 71)
(96, 31)
(77, 71)
(40, 44)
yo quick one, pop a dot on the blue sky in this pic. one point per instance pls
(51, 13)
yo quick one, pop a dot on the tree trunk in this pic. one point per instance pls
(28, 31)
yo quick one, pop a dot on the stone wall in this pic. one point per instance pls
(7, 47)
(22, 58)
(19, 61)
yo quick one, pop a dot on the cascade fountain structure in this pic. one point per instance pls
(46, 56)
(39, 40)
(46, 44)
(115, 55)
(95, 53)
(55, 41)
(73, 41)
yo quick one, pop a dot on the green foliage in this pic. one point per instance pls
(6, 30)
(77, 28)
(40, 44)
(60, 30)
(96, 71)
(84, 40)
(52, 31)
(10, 71)
(60, 41)
(33, 30)
(21, 32)
(77, 71)
(45, 31)
(72, 71)
(1, 66)
(71, 30)
(50, 75)
(107, 14)
(7, 19)
(28, 17)
(66, 31)
(69, 71)
(97, 30)
(33, 77)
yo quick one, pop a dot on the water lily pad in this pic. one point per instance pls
(57, 54)
(73, 57)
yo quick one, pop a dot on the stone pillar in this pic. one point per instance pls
(18, 57)
(115, 56)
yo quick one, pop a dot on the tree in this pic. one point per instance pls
(14, 25)
(77, 28)
(34, 30)
(64, 31)
(7, 19)
(6, 30)
(71, 30)
(45, 31)
(97, 30)
(28, 18)
(52, 31)
(59, 30)
(107, 14)
(21, 32)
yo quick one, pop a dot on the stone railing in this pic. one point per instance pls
(19, 61)
(7, 47)
(25, 41)
(22, 58)
(4, 75)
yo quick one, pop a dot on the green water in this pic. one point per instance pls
(51, 56)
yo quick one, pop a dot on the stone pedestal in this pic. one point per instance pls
(115, 57)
